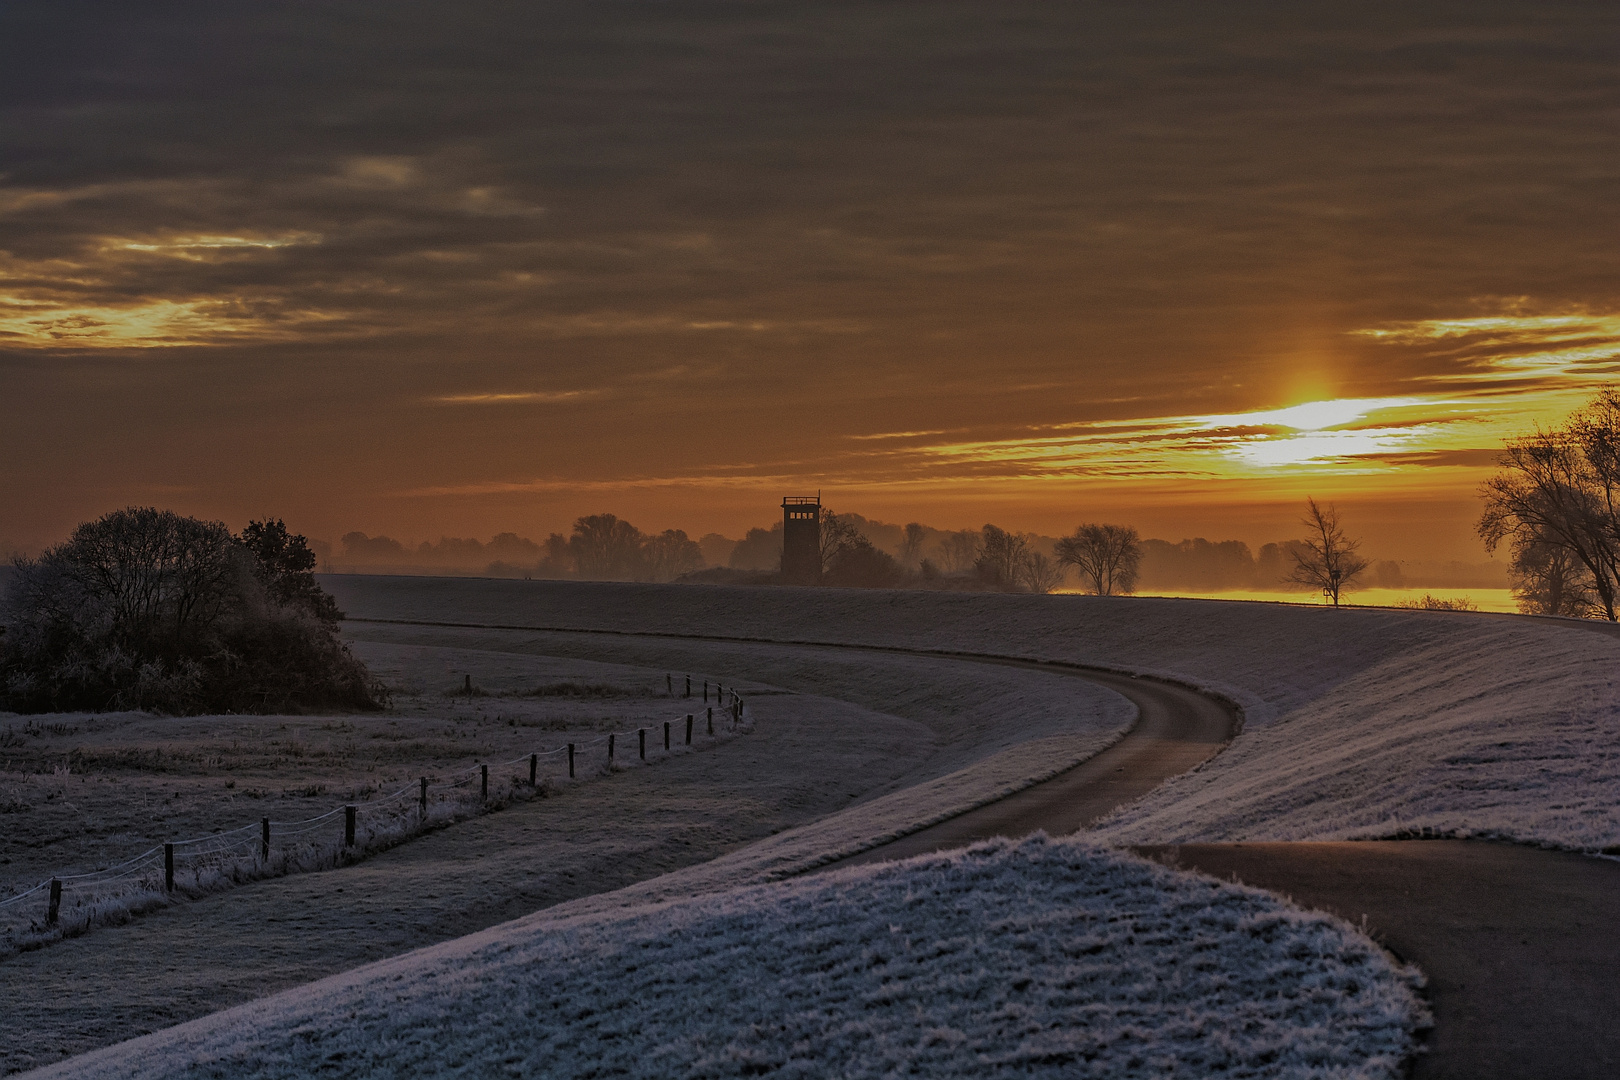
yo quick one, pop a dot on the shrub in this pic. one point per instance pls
(146, 609)
(860, 565)
(1436, 603)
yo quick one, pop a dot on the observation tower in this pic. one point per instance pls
(801, 540)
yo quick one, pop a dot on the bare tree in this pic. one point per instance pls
(670, 554)
(148, 573)
(1108, 557)
(759, 549)
(1327, 558)
(1039, 574)
(558, 560)
(911, 544)
(838, 535)
(1550, 580)
(958, 551)
(606, 548)
(1000, 555)
(1550, 492)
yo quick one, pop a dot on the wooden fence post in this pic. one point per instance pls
(483, 781)
(468, 688)
(611, 737)
(705, 690)
(711, 719)
(570, 761)
(666, 736)
(669, 685)
(424, 800)
(55, 907)
(688, 729)
(642, 732)
(348, 826)
(168, 868)
(264, 839)
(534, 768)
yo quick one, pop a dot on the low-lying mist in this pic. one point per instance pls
(1191, 565)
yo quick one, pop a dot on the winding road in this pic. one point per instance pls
(1177, 728)
(1521, 945)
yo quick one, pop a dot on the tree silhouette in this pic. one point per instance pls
(1038, 574)
(958, 551)
(144, 608)
(1326, 559)
(670, 554)
(911, 543)
(285, 566)
(1001, 553)
(858, 564)
(1549, 580)
(1108, 557)
(1560, 488)
(606, 548)
(838, 535)
(759, 549)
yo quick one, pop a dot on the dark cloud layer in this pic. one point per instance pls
(303, 257)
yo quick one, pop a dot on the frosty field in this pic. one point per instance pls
(807, 757)
(1363, 723)
(1358, 723)
(1044, 958)
(85, 791)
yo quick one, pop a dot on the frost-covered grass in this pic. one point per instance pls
(1357, 723)
(1502, 735)
(931, 735)
(85, 795)
(113, 899)
(1041, 958)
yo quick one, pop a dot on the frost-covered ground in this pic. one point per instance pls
(1503, 734)
(1043, 958)
(1358, 723)
(81, 790)
(808, 757)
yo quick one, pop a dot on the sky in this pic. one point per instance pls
(433, 269)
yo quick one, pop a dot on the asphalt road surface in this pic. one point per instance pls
(1521, 946)
(1177, 728)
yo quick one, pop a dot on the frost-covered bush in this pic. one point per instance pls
(146, 609)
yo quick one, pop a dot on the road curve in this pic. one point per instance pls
(1176, 729)
(1521, 944)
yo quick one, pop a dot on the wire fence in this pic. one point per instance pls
(68, 904)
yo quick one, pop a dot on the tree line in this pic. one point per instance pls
(1107, 559)
(601, 547)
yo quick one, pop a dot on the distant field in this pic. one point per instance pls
(1483, 599)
